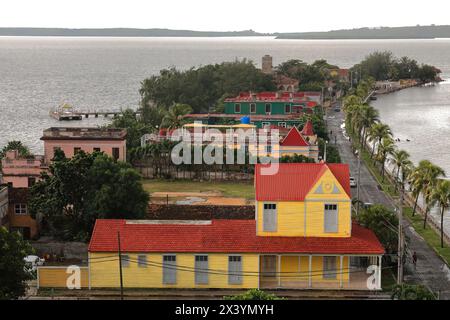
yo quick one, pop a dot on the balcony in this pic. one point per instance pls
(318, 272)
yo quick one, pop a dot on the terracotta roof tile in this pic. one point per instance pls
(227, 236)
(308, 129)
(293, 181)
(294, 139)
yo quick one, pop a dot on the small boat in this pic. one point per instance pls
(373, 98)
(65, 112)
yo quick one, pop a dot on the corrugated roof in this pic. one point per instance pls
(293, 181)
(226, 236)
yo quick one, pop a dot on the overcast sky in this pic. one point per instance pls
(223, 15)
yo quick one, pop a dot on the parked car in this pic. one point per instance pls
(337, 109)
(352, 182)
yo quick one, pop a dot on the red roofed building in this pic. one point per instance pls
(302, 237)
(297, 143)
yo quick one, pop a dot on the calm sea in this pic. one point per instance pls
(37, 74)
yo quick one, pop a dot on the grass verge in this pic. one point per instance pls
(429, 234)
(228, 189)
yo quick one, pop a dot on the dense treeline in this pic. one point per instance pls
(409, 32)
(384, 66)
(312, 76)
(203, 88)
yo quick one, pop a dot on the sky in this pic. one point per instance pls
(223, 15)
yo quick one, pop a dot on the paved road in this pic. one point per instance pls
(430, 270)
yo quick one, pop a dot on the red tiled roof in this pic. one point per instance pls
(296, 97)
(225, 236)
(294, 139)
(308, 129)
(293, 181)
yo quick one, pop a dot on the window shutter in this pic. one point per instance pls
(201, 269)
(331, 218)
(270, 217)
(235, 269)
(329, 268)
(169, 269)
(142, 261)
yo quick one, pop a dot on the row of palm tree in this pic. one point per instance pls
(426, 178)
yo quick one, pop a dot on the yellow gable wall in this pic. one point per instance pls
(290, 219)
(327, 191)
(104, 271)
(291, 214)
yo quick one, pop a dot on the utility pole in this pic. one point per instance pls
(120, 267)
(358, 185)
(400, 240)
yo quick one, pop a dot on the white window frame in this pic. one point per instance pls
(265, 123)
(282, 124)
(237, 105)
(326, 224)
(20, 209)
(252, 104)
(273, 210)
(270, 108)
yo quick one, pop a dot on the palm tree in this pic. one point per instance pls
(175, 116)
(385, 148)
(441, 195)
(369, 116)
(430, 174)
(362, 117)
(400, 160)
(378, 132)
(416, 182)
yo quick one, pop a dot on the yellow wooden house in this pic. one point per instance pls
(302, 237)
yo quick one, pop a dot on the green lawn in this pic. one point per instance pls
(228, 189)
(430, 236)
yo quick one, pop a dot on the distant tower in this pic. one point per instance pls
(267, 64)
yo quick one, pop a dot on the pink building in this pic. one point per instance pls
(71, 140)
(21, 172)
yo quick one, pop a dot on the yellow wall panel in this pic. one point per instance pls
(56, 277)
(106, 274)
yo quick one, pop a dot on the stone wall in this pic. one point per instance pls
(199, 212)
(70, 250)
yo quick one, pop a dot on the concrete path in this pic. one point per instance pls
(430, 271)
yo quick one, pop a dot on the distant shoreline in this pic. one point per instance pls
(431, 32)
